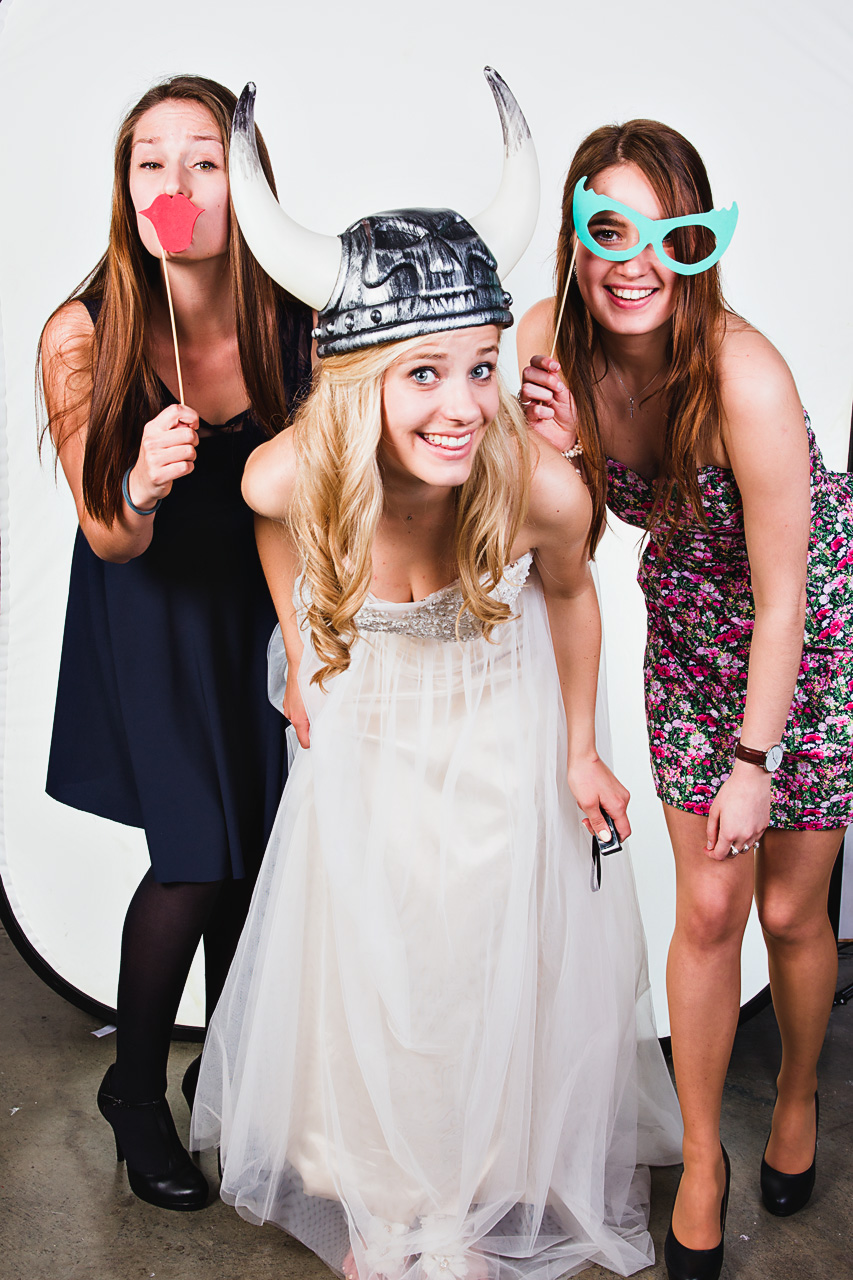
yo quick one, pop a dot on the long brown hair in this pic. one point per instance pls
(690, 395)
(124, 389)
(338, 500)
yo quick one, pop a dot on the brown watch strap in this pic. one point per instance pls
(751, 755)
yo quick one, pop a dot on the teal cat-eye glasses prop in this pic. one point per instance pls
(629, 232)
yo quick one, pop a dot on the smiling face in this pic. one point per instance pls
(177, 149)
(438, 398)
(633, 297)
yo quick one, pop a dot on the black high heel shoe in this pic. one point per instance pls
(159, 1169)
(698, 1264)
(787, 1193)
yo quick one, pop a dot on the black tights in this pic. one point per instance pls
(162, 930)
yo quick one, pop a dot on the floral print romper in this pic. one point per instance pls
(700, 619)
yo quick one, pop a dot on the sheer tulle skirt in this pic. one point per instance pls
(436, 1044)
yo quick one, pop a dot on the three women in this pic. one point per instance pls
(700, 421)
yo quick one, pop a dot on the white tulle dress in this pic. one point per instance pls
(436, 1046)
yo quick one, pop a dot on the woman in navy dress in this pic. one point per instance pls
(162, 720)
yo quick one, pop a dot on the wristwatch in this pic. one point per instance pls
(768, 760)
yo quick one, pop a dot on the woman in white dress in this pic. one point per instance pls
(435, 1055)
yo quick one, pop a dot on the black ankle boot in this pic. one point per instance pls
(787, 1193)
(159, 1169)
(190, 1081)
(698, 1264)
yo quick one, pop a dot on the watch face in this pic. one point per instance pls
(774, 759)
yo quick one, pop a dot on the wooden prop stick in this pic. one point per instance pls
(562, 303)
(173, 218)
(174, 330)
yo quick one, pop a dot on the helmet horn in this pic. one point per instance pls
(507, 225)
(301, 261)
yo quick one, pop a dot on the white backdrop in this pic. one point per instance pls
(373, 106)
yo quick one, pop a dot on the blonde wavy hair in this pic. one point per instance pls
(338, 499)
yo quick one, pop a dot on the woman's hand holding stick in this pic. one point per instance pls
(167, 452)
(548, 404)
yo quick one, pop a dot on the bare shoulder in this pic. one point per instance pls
(269, 476)
(752, 372)
(67, 334)
(535, 333)
(560, 504)
(65, 341)
(762, 426)
(66, 372)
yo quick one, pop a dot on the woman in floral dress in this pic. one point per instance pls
(691, 428)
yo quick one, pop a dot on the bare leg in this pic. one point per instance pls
(703, 987)
(791, 885)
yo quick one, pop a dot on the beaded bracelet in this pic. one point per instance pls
(125, 489)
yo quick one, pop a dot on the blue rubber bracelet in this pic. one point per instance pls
(125, 489)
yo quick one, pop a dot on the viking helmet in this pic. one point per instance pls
(398, 274)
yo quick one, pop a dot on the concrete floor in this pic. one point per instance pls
(67, 1211)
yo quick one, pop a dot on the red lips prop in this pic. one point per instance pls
(174, 219)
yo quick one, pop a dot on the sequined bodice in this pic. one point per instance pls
(437, 616)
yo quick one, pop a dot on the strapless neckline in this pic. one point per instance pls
(510, 570)
(623, 466)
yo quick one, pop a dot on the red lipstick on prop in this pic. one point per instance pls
(173, 218)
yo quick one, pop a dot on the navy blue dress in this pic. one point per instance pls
(162, 719)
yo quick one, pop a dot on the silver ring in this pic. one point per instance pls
(756, 845)
(733, 851)
(525, 404)
(745, 848)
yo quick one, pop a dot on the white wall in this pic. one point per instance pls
(365, 107)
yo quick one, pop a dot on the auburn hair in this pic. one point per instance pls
(113, 371)
(338, 499)
(690, 392)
